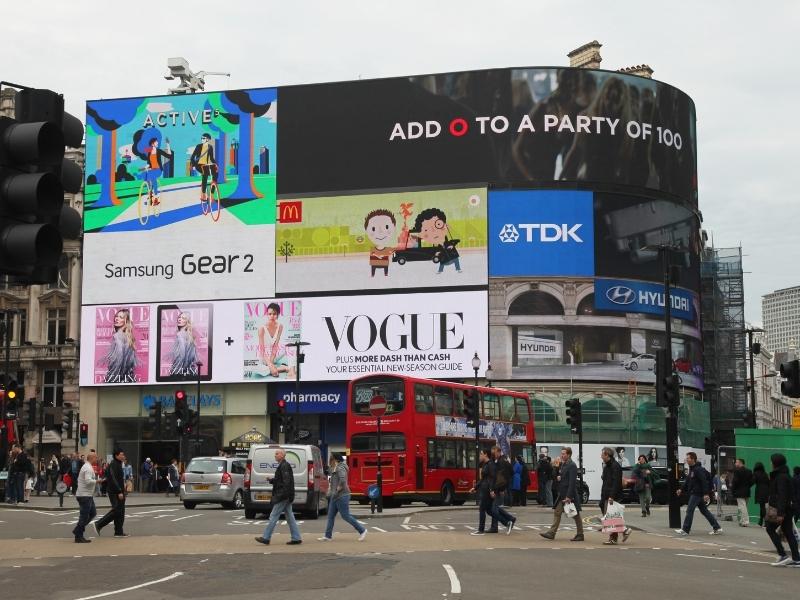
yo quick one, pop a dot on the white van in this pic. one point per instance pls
(310, 479)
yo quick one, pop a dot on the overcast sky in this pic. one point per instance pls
(737, 59)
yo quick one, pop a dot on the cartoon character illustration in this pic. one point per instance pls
(271, 351)
(153, 168)
(380, 226)
(404, 240)
(502, 433)
(121, 357)
(183, 353)
(431, 227)
(202, 159)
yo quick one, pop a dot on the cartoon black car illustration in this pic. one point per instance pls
(432, 253)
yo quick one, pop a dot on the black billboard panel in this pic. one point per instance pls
(503, 126)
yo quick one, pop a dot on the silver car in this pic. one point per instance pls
(640, 362)
(214, 480)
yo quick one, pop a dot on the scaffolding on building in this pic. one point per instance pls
(725, 366)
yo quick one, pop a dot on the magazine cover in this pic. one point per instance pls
(121, 344)
(269, 329)
(184, 342)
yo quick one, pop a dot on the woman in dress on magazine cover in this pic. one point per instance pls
(121, 357)
(270, 350)
(184, 350)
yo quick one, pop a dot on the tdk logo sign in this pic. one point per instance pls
(541, 232)
(619, 294)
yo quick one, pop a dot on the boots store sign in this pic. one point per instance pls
(426, 335)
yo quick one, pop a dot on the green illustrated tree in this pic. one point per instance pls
(286, 250)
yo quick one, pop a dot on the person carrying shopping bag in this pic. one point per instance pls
(610, 496)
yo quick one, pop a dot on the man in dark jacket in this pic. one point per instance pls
(611, 490)
(566, 487)
(698, 487)
(502, 482)
(544, 476)
(740, 486)
(115, 488)
(782, 500)
(482, 488)
(282, 498)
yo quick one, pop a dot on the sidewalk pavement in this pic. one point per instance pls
(51, 504)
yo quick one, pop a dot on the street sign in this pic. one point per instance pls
(796, 417)
(377, 406)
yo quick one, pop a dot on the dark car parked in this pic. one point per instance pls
(401, 257)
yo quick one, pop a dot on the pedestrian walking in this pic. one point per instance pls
(173, 478)
(145, 473)
(796, 486)
(611, 491)
(643, 483)
(516, 483)
(502, 480)
(698, 488)
(741, 482)
(566, 487)
(87, 482)
(526, 481)
(761, 481)
(780, 510)
(74, 469)
(115, 487)
(544, 476)
(52, 474)
(282, 498)
(127, 471)
(339, 499)
(482, 487)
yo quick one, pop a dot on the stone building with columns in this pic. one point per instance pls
(45, 328)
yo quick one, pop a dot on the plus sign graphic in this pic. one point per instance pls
(229, 341)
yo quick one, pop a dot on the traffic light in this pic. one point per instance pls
(34, 175)
(711, 445)
(66, 424)
(84, 434)
(181, 411)
(154, 419)
(11, 390)
(668, 385)
(190, 424)
(170, 424)
(471, 408)
(282, 413)
(574, 416)
(11, 410)
(791, 372)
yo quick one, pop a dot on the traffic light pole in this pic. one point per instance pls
(76, 424)
(4, 441)
(672, 409)
(199, 365)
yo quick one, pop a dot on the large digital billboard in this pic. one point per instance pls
(391, 240)
(180, 197)
(590, 306)
(424, 334)
(505, 126)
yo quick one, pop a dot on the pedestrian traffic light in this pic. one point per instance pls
(668, 385)
(282, 413)
(574, 416)
(471, 408)
(790, 371)
(34, 175)
(84, 434)
(66, 424)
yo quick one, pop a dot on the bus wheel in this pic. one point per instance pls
(447, 494)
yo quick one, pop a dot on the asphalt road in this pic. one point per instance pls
(210, 553)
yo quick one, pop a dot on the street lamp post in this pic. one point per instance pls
(299, 357)
(476, 364)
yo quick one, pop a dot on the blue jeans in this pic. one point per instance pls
(500, 513)
(697, 502)
(151, 176)
(342, 506)
(484, 508)
(455, 261)
(284, 506)
(88, 512)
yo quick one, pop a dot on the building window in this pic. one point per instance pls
(21, 326)
(53, 387)
(56, 325)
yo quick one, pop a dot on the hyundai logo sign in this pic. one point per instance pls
(620, 294)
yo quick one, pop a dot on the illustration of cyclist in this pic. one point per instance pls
(202, 159)
(153, 167)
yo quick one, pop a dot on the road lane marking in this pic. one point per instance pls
(455, 584)
(135, 587)
(758, 562)
(406, 520)
(148, 512)
(186, 517)
(379, 529)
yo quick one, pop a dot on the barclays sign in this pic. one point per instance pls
(168, 401)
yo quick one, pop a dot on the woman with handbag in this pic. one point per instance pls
(779, 512)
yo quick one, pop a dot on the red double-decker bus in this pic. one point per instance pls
(427, 450)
